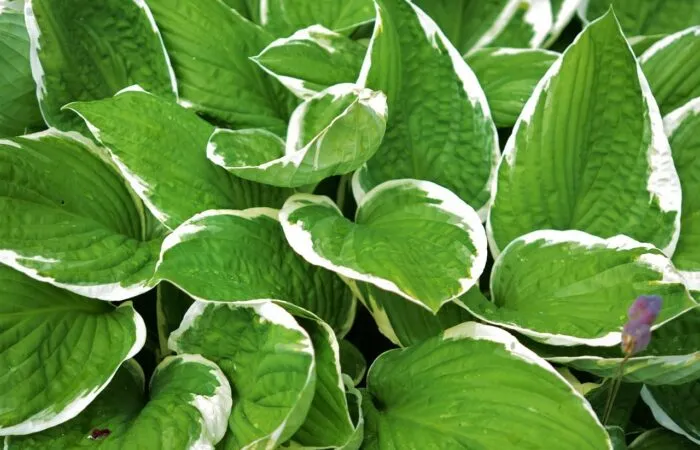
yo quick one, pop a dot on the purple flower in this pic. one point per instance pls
(636, 333)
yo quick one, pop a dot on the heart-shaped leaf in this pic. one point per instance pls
(440, 127)
(413, 238)
(58, 351)
(70, 220)
(189, 403)
(588, 151)
(445, 393)
(243, 256)
(571, 288)
(676, 407)
(332, 133)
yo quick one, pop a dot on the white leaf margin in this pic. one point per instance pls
(662, 417)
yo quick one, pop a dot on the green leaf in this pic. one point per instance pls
(171, 306)
(445, 393)
(190, 400)
(588, 151)
(268, 359)
(243, 256)
(529, 26)
(284, 17)
(623, 403)
(83, 50)
(19, 109)
(332, 133)
(661, 439)
(352, 361)
(210, 45)
(672, 66)
(571, 288)
(562, 13)
(509, 77)
(413, 238)
(173, 177)
(69, 219)
(676, 408)
(58, 351)
(646, 17)
(312, 59)
(683, 131)
(640, 44)
(440, 127)
(617, 437)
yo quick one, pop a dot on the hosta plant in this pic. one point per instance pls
(375, 224)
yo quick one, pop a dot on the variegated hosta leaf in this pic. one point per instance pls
(440, 127)
(643, 18)
(683, 131)
(268, 359)
(57, 351)
(672, 357)
(243, 256)
(508, 76)
(676, 408)
(529, 26)
(571, 288)
(413, 238)
(189, 403)
(312, 59)
(70, 220)
(352, 361)
(332, 133)
(562, 13)
(445, 393)
(84, 50)
(160, 149)
(588, 151)
(284, 17)
(19, 110)
(210, 45)
(661, 439)
(672, 66)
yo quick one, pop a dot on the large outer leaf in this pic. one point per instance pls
(190, 401)
(676, 408)
(57, 351)
(268, 359)
(588, 151)
(508, 76)
(283, 17)
(84, 50)
(19, 110)
(69, 219)
(160, 149)
(440, 127)
(243, 256)
(683, 130)
(672, 66)
(570, 288)
(413, 238)
(474, 387)
(332, 133)
(646, 17)
(210, 44)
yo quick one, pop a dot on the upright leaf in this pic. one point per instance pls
(440, 127)
(164, 158)
(447, 391)
(268, 359)
(570, 287)
(528, 27)
(588, 151)
(672, 66)
(647, 17)
(190, 400)
(19, 110)
(683, 130)
(84, 50)
(676, 408)
(283, 17)
(239, 256)
(70, 220)
(509, 77)
(210, 45)
(171, 306)
(413, 238)
(58, 351)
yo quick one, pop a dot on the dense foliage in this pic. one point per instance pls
(247, 201)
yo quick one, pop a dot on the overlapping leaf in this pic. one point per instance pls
(283, 17)
(529, 26)
(676, 407)
(661, 439)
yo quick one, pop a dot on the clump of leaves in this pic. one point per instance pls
(234, 198)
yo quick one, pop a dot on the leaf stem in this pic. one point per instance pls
(617, 380)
